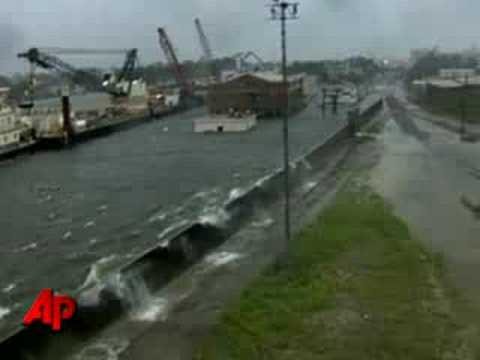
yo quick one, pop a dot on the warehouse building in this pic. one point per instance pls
(259, 93)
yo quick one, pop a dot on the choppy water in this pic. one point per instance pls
(69, 217)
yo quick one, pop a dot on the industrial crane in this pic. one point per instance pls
(207, 50)
(47, 58)
(243, 56)
(172, 59)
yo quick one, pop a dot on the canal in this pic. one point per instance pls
(69, 216)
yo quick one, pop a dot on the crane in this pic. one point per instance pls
(243, 56)
(207, 50)
(172, 59)
(47, 58)
(39, 58)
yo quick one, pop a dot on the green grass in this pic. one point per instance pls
(450, 108)
(356, 286)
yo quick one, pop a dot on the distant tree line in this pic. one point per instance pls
(356, 69)
(432, 62)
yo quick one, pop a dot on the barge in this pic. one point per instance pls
(16, 132)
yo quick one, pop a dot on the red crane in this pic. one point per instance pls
(178, 70)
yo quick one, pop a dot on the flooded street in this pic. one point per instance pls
(428, 178)
(70, 216)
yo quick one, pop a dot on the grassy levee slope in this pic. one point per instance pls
(356, 286)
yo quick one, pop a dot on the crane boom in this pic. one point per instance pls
(207, 50)
(70, 51)
(46, 58)
(50, 62)
(172, 60)
(241, 58)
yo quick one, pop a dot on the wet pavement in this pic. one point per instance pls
(68, 217)
(428, 174)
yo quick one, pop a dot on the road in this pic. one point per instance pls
(429, 175)
(69, 216)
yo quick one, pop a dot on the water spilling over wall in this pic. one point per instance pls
(129, 289)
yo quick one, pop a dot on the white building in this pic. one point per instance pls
(12, 127)
(457, 74)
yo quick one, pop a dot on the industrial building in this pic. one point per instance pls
(257, 92)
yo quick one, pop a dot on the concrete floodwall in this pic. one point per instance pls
(101, 304)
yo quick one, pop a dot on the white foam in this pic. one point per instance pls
(263, 180)
(156, 310)
(28, 247)
(4, 312)
(102, 208)
(222, 258)
(201, 194)
(235, 194)
(263, 223)
(7, 289)
(214, 216)
(97, 269)
(157, 218)
(165, 243)
(171, 228)
(310, 185)
(67, 235)
(89, 224)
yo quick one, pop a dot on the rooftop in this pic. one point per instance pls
(269, 76)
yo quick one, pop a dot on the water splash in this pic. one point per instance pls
(89, 224)
(105, 349)
(171, 228)
(157, 218)
(309, 186)
(99, 270)
(156, 310)
(28, 247)
(102, 208)
(222, 258)
(9, 288)
(4, 312)
(264, 223)
(235, 194)
(214, 216)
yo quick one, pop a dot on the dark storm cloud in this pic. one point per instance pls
(326, 28)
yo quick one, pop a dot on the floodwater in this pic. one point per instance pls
(68, 217)
(427, 175)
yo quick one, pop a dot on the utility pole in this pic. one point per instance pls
(284, 10)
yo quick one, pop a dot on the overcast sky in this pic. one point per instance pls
(326, 28)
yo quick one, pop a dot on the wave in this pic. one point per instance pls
(235, 194)
(171, 228)
(222, 258)
(98, 270)
(215, 216)
(28, 247)
(7, 289)
(4, 312)
(155, 310)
